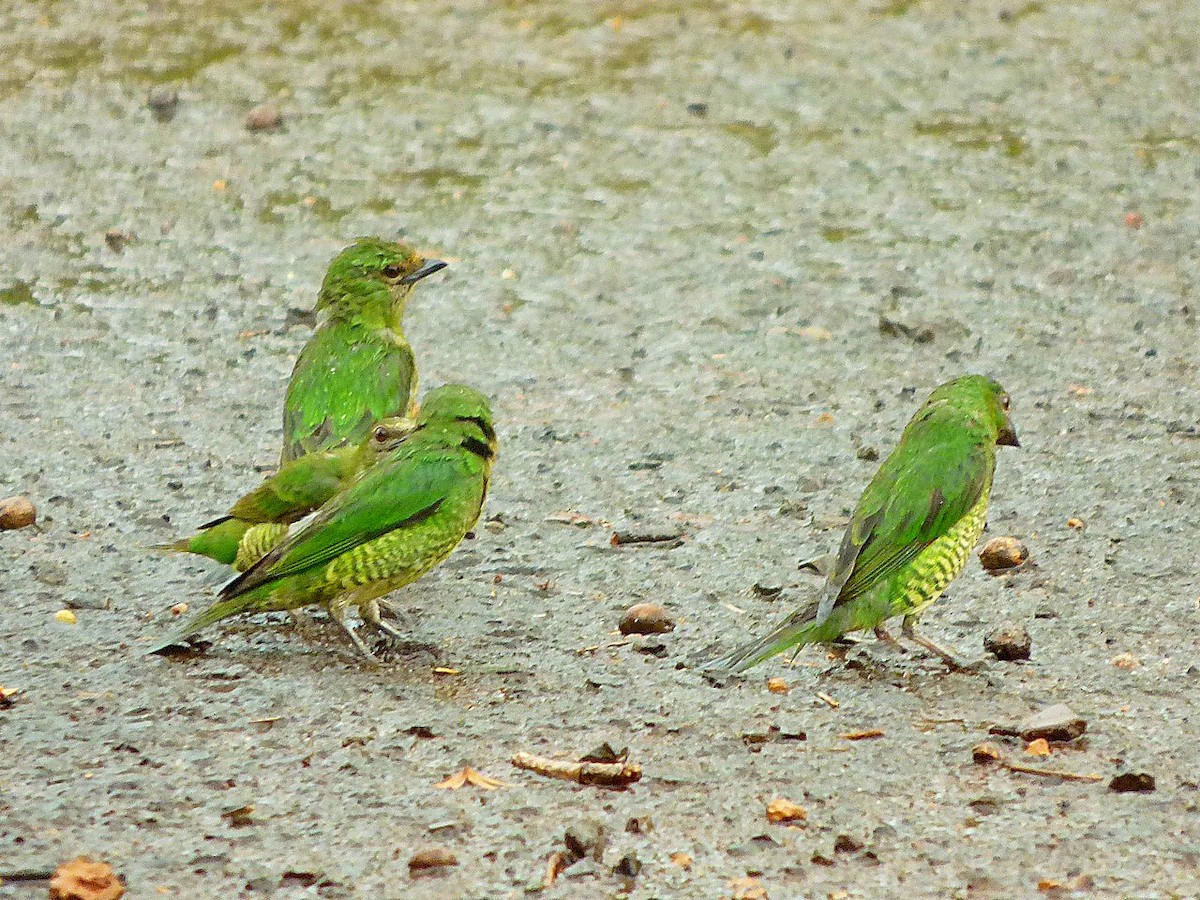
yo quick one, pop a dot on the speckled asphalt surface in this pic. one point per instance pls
(675, 230)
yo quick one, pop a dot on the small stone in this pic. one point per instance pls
(783, 810)
(870, 454)
(17, 512)
(1054, 723)
(179, 609)
(1009, 642)
(1001, 553)
(986, 752)
(264, 118)
(1126, 661)
(639, 825)
(681, 859)
(1132, 782)
(646, 618)
(1038, 747)
(116, 239)
(65, 616)
(1134, 220)
(84, 878)
(629, 865)
(163, 102)
(586, 838)
(428, 860)
(699, 110)
(845, 843)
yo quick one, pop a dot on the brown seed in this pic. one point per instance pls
(783, 810)
(1002, 553)
(777, 685)
(264, 118)
(646, 618)
(428, 859)
(17, 512)
(1077, 524)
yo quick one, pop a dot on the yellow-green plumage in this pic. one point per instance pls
(397, 521)
(913, 527)
(257, 542)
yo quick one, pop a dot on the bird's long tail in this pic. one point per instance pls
(251, 601)
(798, 629)
(217, 540)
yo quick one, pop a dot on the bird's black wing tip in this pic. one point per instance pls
(178, 646)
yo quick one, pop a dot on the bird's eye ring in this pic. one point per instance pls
(391, 271)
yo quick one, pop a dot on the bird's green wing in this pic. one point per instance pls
(347, 378)
(296, 489)
(929, 482)
(398, 492)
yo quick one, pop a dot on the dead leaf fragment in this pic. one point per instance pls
(240, 817)
(83, 878)
(1039, 747)
(778, 685)
(862, 735)
(1049, 884)
(470, 776)
(1126, 661)
(1077, 524)
(6, 695)
(986, 752)
(782, 809)
(683, 860)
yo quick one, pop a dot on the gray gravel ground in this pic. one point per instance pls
(674, 229)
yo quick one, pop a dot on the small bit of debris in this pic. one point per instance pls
(614, 775)
(6, 696)
(1002, 553)
(430, 860)
(1049, 773)
(667, 540)
(240, 817)
(585, 838)
(862, 735)
(765, 591)
(1134, 220)
(1055, 723)
(639, 825)
(1009, 642)
(825, 698)
(605, 754)
(1132, 782)
(66, 616)
(17, 512)
(446, 670)
(1049, 885)
(783, 810)
(778, 685)
(264, 118)
(628, 866)
(748, 888)
(179, 609)
(163, 102)
(918, 334)
(83, 878)
(1077, 524)
(845, 843)
(570, 517)
(683, 860)
(116, 239)
(472, 777)
(1126, 661)
(1038, 747)
(646, 618)
(986, 752)
(870, 454)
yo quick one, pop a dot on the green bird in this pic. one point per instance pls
(260, 519)
(357, 368)
(401, 518)
(913, 528)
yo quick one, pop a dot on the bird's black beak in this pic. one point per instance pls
(431, 266)
(1007, 436)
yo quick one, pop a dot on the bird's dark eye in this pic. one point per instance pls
(391, 271)
(381, 434)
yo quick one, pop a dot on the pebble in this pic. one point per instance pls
(629, 865)
(1008, 642)
(1132, 782)
(264, 118)
(1002, 553)
(646, 618)
(163, 102)
(585, 838)
(987, 752)
(428, 859)
(116, 239)
(1054, 723)
(17, 512)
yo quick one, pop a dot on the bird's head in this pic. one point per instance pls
(982, 399)
(459, 408)
(373, 267)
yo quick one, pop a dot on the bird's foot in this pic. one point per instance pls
(950, 659)
(885, 637)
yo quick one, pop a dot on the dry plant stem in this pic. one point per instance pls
(618, 774)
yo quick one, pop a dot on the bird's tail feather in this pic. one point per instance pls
(798, 629)
(215, 613)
